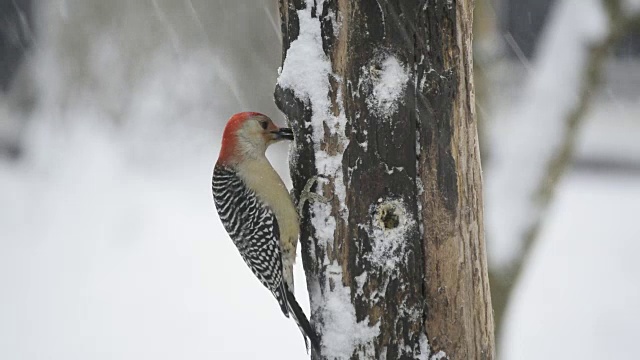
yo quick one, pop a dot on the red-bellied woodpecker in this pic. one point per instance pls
(256, 209)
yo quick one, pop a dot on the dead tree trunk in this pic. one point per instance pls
(380, 97)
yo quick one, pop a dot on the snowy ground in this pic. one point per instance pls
(579, 296)
(102, 260)
(110, 247)
(105, 259)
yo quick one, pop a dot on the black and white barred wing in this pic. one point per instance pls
(253, 228)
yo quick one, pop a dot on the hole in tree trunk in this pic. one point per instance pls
(389, 218)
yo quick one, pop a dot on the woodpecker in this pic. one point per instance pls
(256, 210)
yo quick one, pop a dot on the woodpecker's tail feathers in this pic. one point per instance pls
(301, 320)
(279, 294)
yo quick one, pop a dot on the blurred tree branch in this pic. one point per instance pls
(504, 278)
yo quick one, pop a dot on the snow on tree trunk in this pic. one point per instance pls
(380, 97)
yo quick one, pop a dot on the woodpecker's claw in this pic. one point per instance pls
(308, 195)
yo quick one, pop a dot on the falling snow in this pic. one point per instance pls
(536, 127)
(109, 232)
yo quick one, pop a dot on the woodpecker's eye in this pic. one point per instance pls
(264, 124)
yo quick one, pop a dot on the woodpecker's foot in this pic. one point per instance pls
(308, 195)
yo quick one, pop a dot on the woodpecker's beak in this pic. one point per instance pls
(284, 133)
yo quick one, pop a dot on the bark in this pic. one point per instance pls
(407, 243)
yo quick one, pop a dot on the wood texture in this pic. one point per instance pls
(419, 166)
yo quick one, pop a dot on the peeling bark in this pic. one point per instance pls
(411, 173)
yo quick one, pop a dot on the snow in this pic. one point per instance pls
(580, 284)
(600, 140)
(306, 71)
(439, 356)
(389, 85)
(102, 258)
(530, 133)
(388, 244)
(110, 247)
(425, 349)
(323, 222)
(360, 280)
(342, 332)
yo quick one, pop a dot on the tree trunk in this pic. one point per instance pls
(380, 97)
